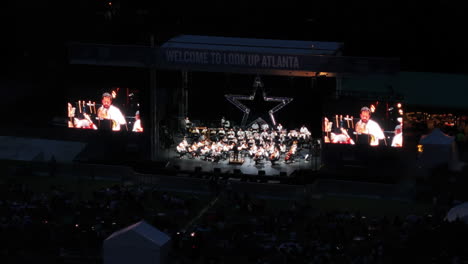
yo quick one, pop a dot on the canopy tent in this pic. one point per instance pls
(439, 149)
(459, 212)
(138, 243)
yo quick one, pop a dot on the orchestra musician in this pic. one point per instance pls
(304, 133)
(223, 120)
(253, 150)
(264, 134)
(182, 148)
(292, 151)
(243, 147)
(397, 140)
(279, 127)
(293, 135)
(221, 132)
(282, 147)
(274, 156)
(259, 154)
(341, 137)
(255, 127)
(71, 115)
(240, 134)
(85, 123)
(137, 125)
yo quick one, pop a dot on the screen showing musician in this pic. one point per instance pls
(375, 124)
(109, 115)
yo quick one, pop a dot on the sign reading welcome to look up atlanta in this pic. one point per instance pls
(230, 58)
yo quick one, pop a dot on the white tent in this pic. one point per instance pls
(458, 212)
(139, 243)
(439, 149)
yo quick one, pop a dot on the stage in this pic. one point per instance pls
(246, 166)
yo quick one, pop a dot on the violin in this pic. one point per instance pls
(274, 155)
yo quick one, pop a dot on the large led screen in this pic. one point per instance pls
(115, 109)
(363, 122)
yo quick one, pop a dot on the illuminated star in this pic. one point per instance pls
(235, 100)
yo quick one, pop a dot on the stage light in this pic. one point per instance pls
(399, 105)
(372, 108)
(192, 234)
(420, 148)
(400, 111)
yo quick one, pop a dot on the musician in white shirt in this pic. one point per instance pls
(111, 112)
(255, 127)
(304, 132)
(369, 127)
(279, 127)
(137, 125)
(397, 140)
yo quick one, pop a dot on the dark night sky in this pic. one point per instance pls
(424, 37)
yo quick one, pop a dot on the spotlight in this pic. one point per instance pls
(420, 148)
(399, 105)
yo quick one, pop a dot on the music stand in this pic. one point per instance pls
(105, 124)
(362, 139)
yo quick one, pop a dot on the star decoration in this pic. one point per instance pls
(235, 100)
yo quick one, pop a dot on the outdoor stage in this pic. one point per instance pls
(247, 167)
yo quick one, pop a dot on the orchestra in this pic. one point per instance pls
(267, 145)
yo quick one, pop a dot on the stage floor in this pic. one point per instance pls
(247, 167)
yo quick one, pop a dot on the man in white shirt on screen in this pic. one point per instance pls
(110, 112)
(369, 127)
(137, 125)
(397, 140)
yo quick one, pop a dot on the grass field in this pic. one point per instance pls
(84, 188)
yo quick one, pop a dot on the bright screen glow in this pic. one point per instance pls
(113, 110)
(373, 123)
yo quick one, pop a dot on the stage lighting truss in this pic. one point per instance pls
(235, 100)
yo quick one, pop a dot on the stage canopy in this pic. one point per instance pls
(236, 55)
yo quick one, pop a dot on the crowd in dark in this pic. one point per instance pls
(244, 229)
(57, 225)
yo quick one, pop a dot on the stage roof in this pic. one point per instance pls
(291, 47)
(235, 55)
